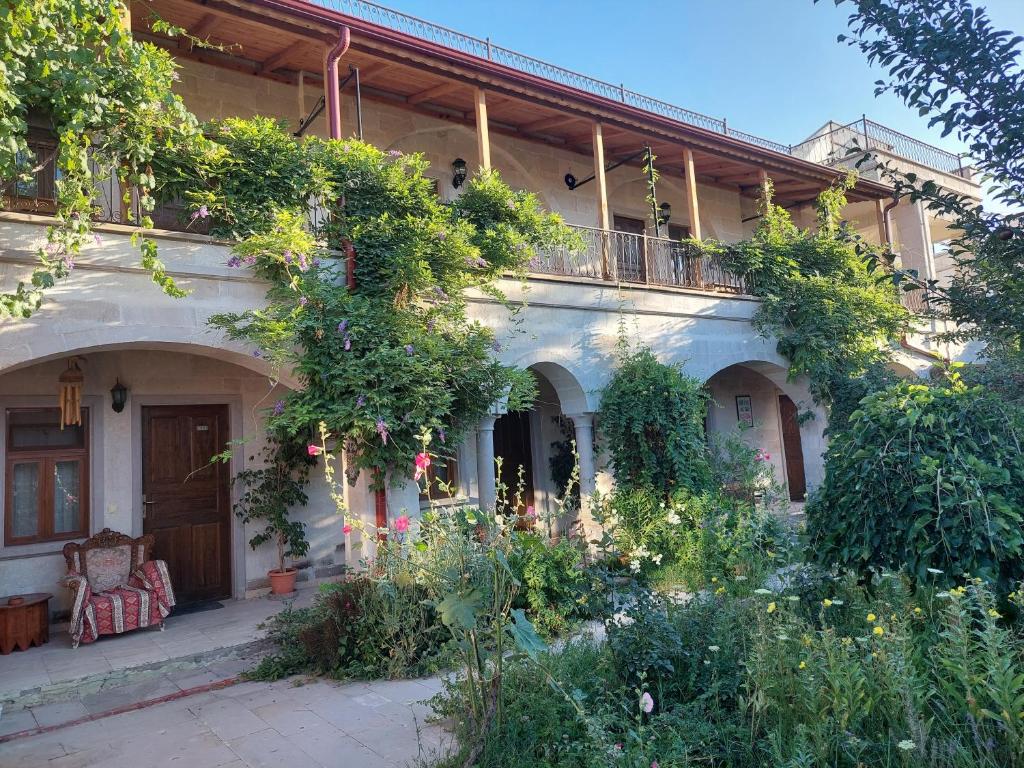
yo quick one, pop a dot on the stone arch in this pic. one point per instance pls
(502, 158)
(571, 394)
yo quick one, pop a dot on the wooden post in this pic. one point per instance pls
(603, 219)
(762, 176)
(483, 141)
(692, 208)
(302, 95)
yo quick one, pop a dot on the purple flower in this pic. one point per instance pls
(348, 342)
(394, 153)
(303, 263)
(441, 435)
(257, 353)
(303, 301)
(382, 430)
(342, 326)
(409, 349)
(496, 345)
(279, 407)
(250, 259)
(287, 257)
(234, 261)
(69, 262)
(442, 235)
(360, 401)
(201, 213)
(430, 325)
(97, 239)
(316, 262)
(346, 148)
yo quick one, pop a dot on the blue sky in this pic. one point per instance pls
(771, 67)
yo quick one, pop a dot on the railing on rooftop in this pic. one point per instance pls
(875, 134)
(632, 258)
(841, 142)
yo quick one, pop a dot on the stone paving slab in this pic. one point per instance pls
(289, 724)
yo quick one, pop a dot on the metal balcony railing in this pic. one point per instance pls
(632, 258)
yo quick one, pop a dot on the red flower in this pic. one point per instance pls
(422, 462)
(346, 529)
(402, 524)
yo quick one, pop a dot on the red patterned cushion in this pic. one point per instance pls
(108, 567)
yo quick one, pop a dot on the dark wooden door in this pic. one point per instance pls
(629, 251)
(512, 444)
(186, 499)
(794, 449)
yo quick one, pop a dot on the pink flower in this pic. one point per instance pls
(346, 529)
(646, 703)
(654, 764)
(767, 456)
(314, 450)
(402, 524)
(530, 511)
(422, 462)
(619, 746)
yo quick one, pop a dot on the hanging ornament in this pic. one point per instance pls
(71, 394)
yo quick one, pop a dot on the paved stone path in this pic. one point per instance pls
(291, 723)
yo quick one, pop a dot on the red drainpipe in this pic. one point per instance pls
(331, 95)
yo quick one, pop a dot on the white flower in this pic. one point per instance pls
(673, 518)
(499, 520)
(714, 648)
(634, 566)
(656, 558)
(932, 570)
(762, 591)
(907, 745)
(741, 578)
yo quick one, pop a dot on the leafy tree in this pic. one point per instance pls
(652, 420)
(70, 66)
(945, 59)
(925, 476)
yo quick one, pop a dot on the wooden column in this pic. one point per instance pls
(483, 140)
(762, 176)
(603, 219)
(692, 208)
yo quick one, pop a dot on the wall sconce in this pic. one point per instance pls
(664, 213)
(458, 172)
(570, 181)
(118, 396)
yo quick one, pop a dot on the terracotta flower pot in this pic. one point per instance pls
(282, 582)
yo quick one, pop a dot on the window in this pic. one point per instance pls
(46, 477)
(443, 478)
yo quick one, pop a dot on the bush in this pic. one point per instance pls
(557, 589)
(926, 476)
(361, 627)
(652, 420)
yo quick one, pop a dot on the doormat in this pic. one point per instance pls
(209, 605)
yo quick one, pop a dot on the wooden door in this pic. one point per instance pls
(793, 448)
(629, 251)
(512, 441)
(186, 499)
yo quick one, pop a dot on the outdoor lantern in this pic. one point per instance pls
(458, 172)
(118, 396)
(664, 213)
(570, 181)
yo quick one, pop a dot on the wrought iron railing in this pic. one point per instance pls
(874, 134)
(844, 141)
(633, 258)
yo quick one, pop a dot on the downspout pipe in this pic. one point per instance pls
(887, 223)
(331, 95)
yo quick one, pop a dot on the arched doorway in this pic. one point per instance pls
(746, 401)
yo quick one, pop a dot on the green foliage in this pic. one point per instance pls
(652, 421)
(270, 491)
(70, 67)
(825, 299)
(945, 59)
(362, 627)
(925, 476)
(557, 586)
(398, 355)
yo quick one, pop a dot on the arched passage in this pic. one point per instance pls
(757, 401)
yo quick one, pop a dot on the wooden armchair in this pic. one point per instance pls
(115, 586)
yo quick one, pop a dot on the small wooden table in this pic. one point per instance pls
(25, 624)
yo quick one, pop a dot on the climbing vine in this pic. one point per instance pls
(397, 355)
(71, 73)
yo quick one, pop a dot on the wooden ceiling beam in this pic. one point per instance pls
(376, 69)
(538, 126)
(279, 59)
(201, 31)
(442, 89)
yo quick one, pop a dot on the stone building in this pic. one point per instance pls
(408, 85)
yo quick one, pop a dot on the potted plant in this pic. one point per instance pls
(270, 491)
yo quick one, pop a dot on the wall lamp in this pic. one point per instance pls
(664, 213)
(458, 172)
(118, 396)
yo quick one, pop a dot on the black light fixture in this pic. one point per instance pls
(458, 172)
(118, 396)
(664, 213)
(570, 181)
